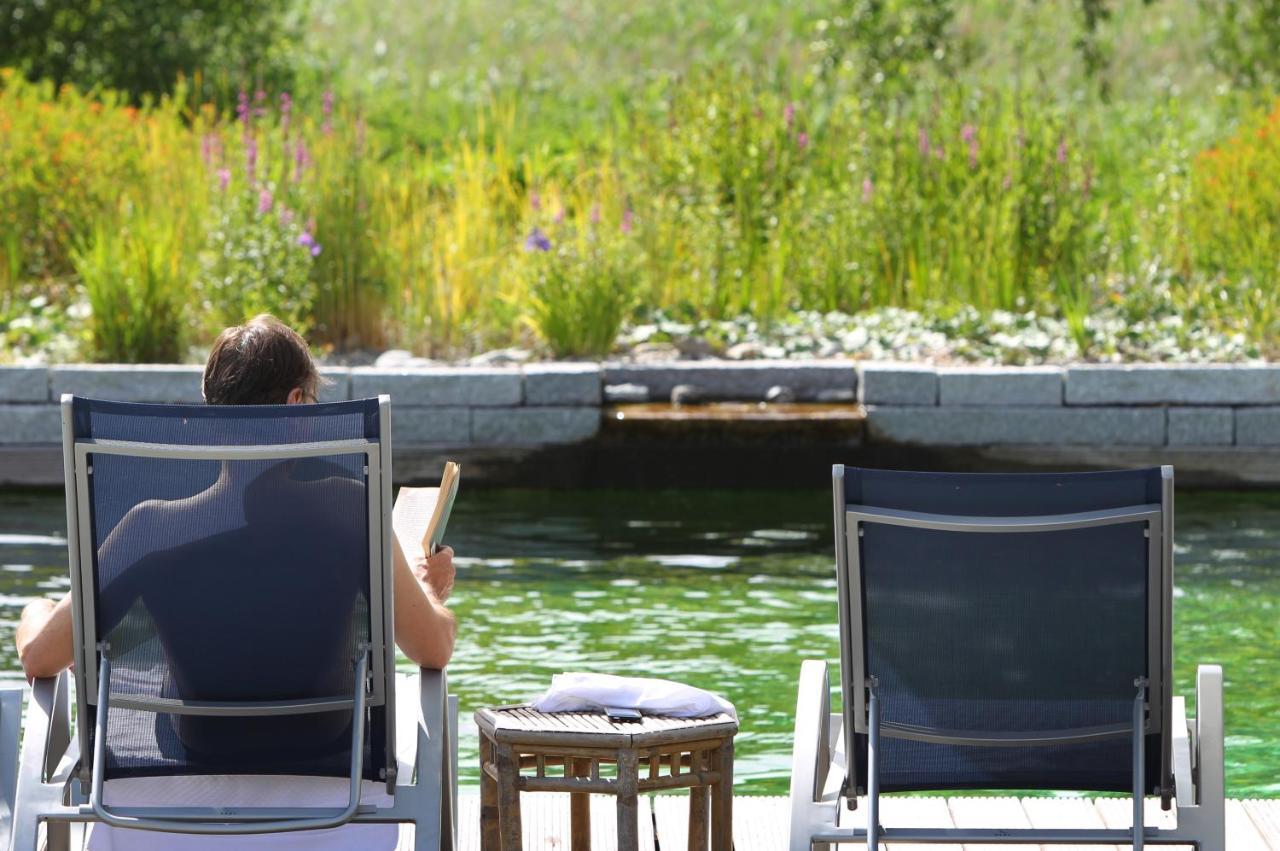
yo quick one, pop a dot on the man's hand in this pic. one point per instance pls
(437, 572)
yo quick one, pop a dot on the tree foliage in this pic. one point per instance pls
(142, 46)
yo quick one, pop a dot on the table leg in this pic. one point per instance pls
(489, 837)
(509, 799)
(628, 805)
(698, 799)
(580, 809)
(722, 800)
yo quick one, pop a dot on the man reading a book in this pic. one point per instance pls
(263, 362)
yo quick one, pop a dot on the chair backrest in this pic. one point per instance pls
(231, 564)
(1006, 620)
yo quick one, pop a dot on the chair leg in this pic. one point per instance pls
(490, 837)
(580, 809)
(873, 766)
(722, 799)
(628, 803)
(698, 800)
(1139, 737)
(509, 799)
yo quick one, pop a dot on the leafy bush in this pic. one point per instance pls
(580, 278)
(141, 47)
(136, 279)
(1233, 227)
(258, 259)
(1245, 39)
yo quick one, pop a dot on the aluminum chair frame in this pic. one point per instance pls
(60, 779)
(824, 779)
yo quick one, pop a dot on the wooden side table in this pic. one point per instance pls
(522, 750)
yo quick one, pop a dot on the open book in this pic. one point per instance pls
(421, 514)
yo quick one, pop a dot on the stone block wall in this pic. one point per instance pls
(1149, 406)
(1145, 405)
(439, 406)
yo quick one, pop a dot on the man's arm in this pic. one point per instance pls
(425, 628)
(44, 637)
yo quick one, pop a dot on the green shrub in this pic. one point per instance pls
(581, 284)
(258, 259)
(136, 277)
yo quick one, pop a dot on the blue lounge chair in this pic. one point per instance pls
(232, 589)
(1005, 632)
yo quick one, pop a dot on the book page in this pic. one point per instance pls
(411, 518)
(420, 515)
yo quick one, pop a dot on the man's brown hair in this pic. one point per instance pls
(259, 363)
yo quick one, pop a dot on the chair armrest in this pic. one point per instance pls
(48, 725)
(422, 709)
(811, 748)
(1209, 762)
(10, 731)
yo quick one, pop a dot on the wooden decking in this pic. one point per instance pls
(760, 823)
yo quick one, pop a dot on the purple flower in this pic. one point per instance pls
(224, 179)
(250, 156)
(922, 140)
(1062, 152)
(789, 114)
(802, 140)
(301, 159)
(286, 109)
(264, 201)
(306, 240)
(535, 201)
(206, 148)
(286, 215)
(537, 241)
(242, 108)
(868, 188)
(628, 221)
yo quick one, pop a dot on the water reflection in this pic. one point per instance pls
(730, 591)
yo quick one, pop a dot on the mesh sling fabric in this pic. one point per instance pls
(231, 581)
(1027, 632)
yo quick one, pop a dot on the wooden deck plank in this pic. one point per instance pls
(989, 812)
(898, 811)
(760, 823)
(468, 822)
(1117, 814)
(1059, 813)
(1265, 816)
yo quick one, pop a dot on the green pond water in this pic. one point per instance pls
(730, 591)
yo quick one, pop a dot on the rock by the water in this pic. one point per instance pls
(654, 353)
(502, 357)
(393, 357)
(695, 348)
(744, 351)
(687, 394)
(626, 393)
(779, 394)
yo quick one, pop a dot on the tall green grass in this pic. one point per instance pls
(704, 165)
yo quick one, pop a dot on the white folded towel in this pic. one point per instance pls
(581, 692)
